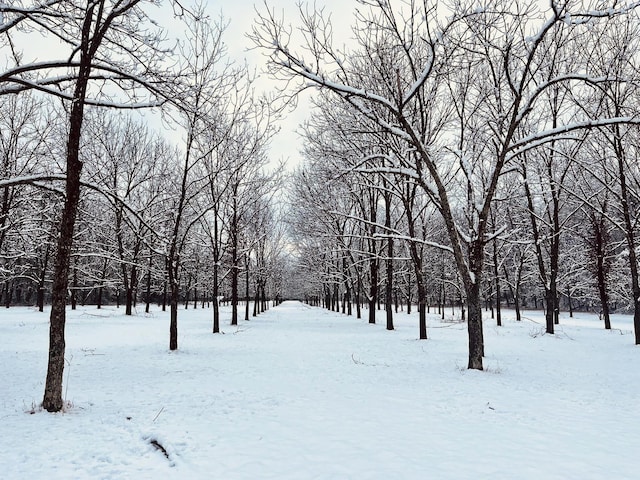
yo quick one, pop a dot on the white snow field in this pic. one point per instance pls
(303, 393)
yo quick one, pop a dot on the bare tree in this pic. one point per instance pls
(409, 51)
(104, 45)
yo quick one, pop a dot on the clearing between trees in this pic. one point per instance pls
(302, 392)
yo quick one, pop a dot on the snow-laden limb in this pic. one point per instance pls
(22, 13)
(44, 181)
(585, 17)
(528, 105)
(394, 233)
(496, 234)
(420, 81)
(540, 138)
(30, 180)
(18, 80)
(421, 241)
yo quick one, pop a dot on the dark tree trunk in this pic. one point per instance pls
(264, 296)
(148, 287)
(246, 288)
(396, 305)
(100, 292)
(327, 297)
(629, 233)
(549, 281)
(422, 306)
(52, 401)
(496, 272)
(358, 288)
(474, 325)
(215, 294)
(515, 289)
(488, 302)
(604, 298)
(549, 300)
(389, 280)
(164, 296)
(130, 291)
(40, 298)
(373, 288)
(74, 289)
(409, 295)
(174, 296)
(173, 306)
(234, 264)
(601, 268)
(42, 278)
(421, 287)
(256, 299)
(8, 293)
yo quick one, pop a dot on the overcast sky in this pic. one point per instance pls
(240, 14)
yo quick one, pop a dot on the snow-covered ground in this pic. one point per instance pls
(303, 393)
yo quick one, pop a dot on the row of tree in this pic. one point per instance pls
(120, 246)
(460, 150)
(489, 146)
(93, 201)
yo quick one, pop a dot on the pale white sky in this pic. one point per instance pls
(240, 14)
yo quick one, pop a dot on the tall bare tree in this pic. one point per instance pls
(101, 43)
(497, 50)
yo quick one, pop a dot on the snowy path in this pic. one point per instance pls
(302, 393)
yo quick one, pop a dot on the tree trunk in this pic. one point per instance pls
(422, 306)
(358, 288)
(604, 298)
(215, 294)
(148, 289)
(409, 295)
(474, 326)
(388, 300)
(472, 282)
(174, 298)
(256, 299)
(549, 311)
(173, 324)
(52, 401)
(74, 289)
(548, 281)
(234, 262)
(130, 291)
(629, 235)
(496, 272)
(246, 289)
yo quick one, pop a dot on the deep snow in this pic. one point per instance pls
(303, 393)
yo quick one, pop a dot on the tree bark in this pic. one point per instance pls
(474, 301)
(389, 263)
(52, 401)
(629, 233)
(234, 262)
(148, 290)
(496, 273)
